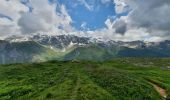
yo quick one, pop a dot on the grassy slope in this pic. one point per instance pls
(92, 52)
(51, 54)
(100, 52)
(118, 79)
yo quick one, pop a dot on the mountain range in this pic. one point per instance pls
(38, 48)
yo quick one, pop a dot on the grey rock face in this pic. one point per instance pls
(21, 50)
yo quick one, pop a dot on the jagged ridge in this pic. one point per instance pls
(69, 47)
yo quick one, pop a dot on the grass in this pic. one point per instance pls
(118, 79)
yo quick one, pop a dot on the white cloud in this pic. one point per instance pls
(120, 6)
(88, 6)
(6, 26)
(43, 18)
(13, 9)
(152, 15)
(109, 24)
(148, 19)
(83, 25)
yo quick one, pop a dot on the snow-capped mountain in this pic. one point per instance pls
(18, 49)
(60, 41)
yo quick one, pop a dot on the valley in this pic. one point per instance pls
(40, 48)
(84, 50)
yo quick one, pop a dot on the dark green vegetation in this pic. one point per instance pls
(119, 79)
(93, 53)
(33, 51)
(26, 52)
(101, 52)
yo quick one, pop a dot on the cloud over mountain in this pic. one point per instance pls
(152, 15)
(121, 19)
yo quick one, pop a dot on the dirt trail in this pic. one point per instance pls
(160, 90)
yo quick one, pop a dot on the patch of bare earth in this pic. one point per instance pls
(160, 90)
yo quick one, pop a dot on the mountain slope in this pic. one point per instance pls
(92, 52)
(144, 52)
(24, 52)
(98, 52)
(69, 47)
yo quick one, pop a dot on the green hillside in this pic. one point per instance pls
(29, 51)
(36, 51)
(119, 79)
(97, 52)
(92, 52)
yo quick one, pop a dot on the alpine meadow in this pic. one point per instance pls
(84, 50)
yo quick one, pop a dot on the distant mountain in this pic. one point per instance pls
(25, 51)
(69, 47)
(60, 41)
(18, 52)
(94, 52)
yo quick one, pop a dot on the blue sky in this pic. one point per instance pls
(94, 19)
(114, 19)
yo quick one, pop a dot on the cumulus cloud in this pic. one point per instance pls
(6, 26)
(117, 25)
(11, 11)
(131, 35)
(43, 17)
(150, 16)
(12, 8)
(146, 20)
(121, 27)
(109, 23)
(121, 6)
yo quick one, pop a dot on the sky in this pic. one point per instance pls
(119, 20)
